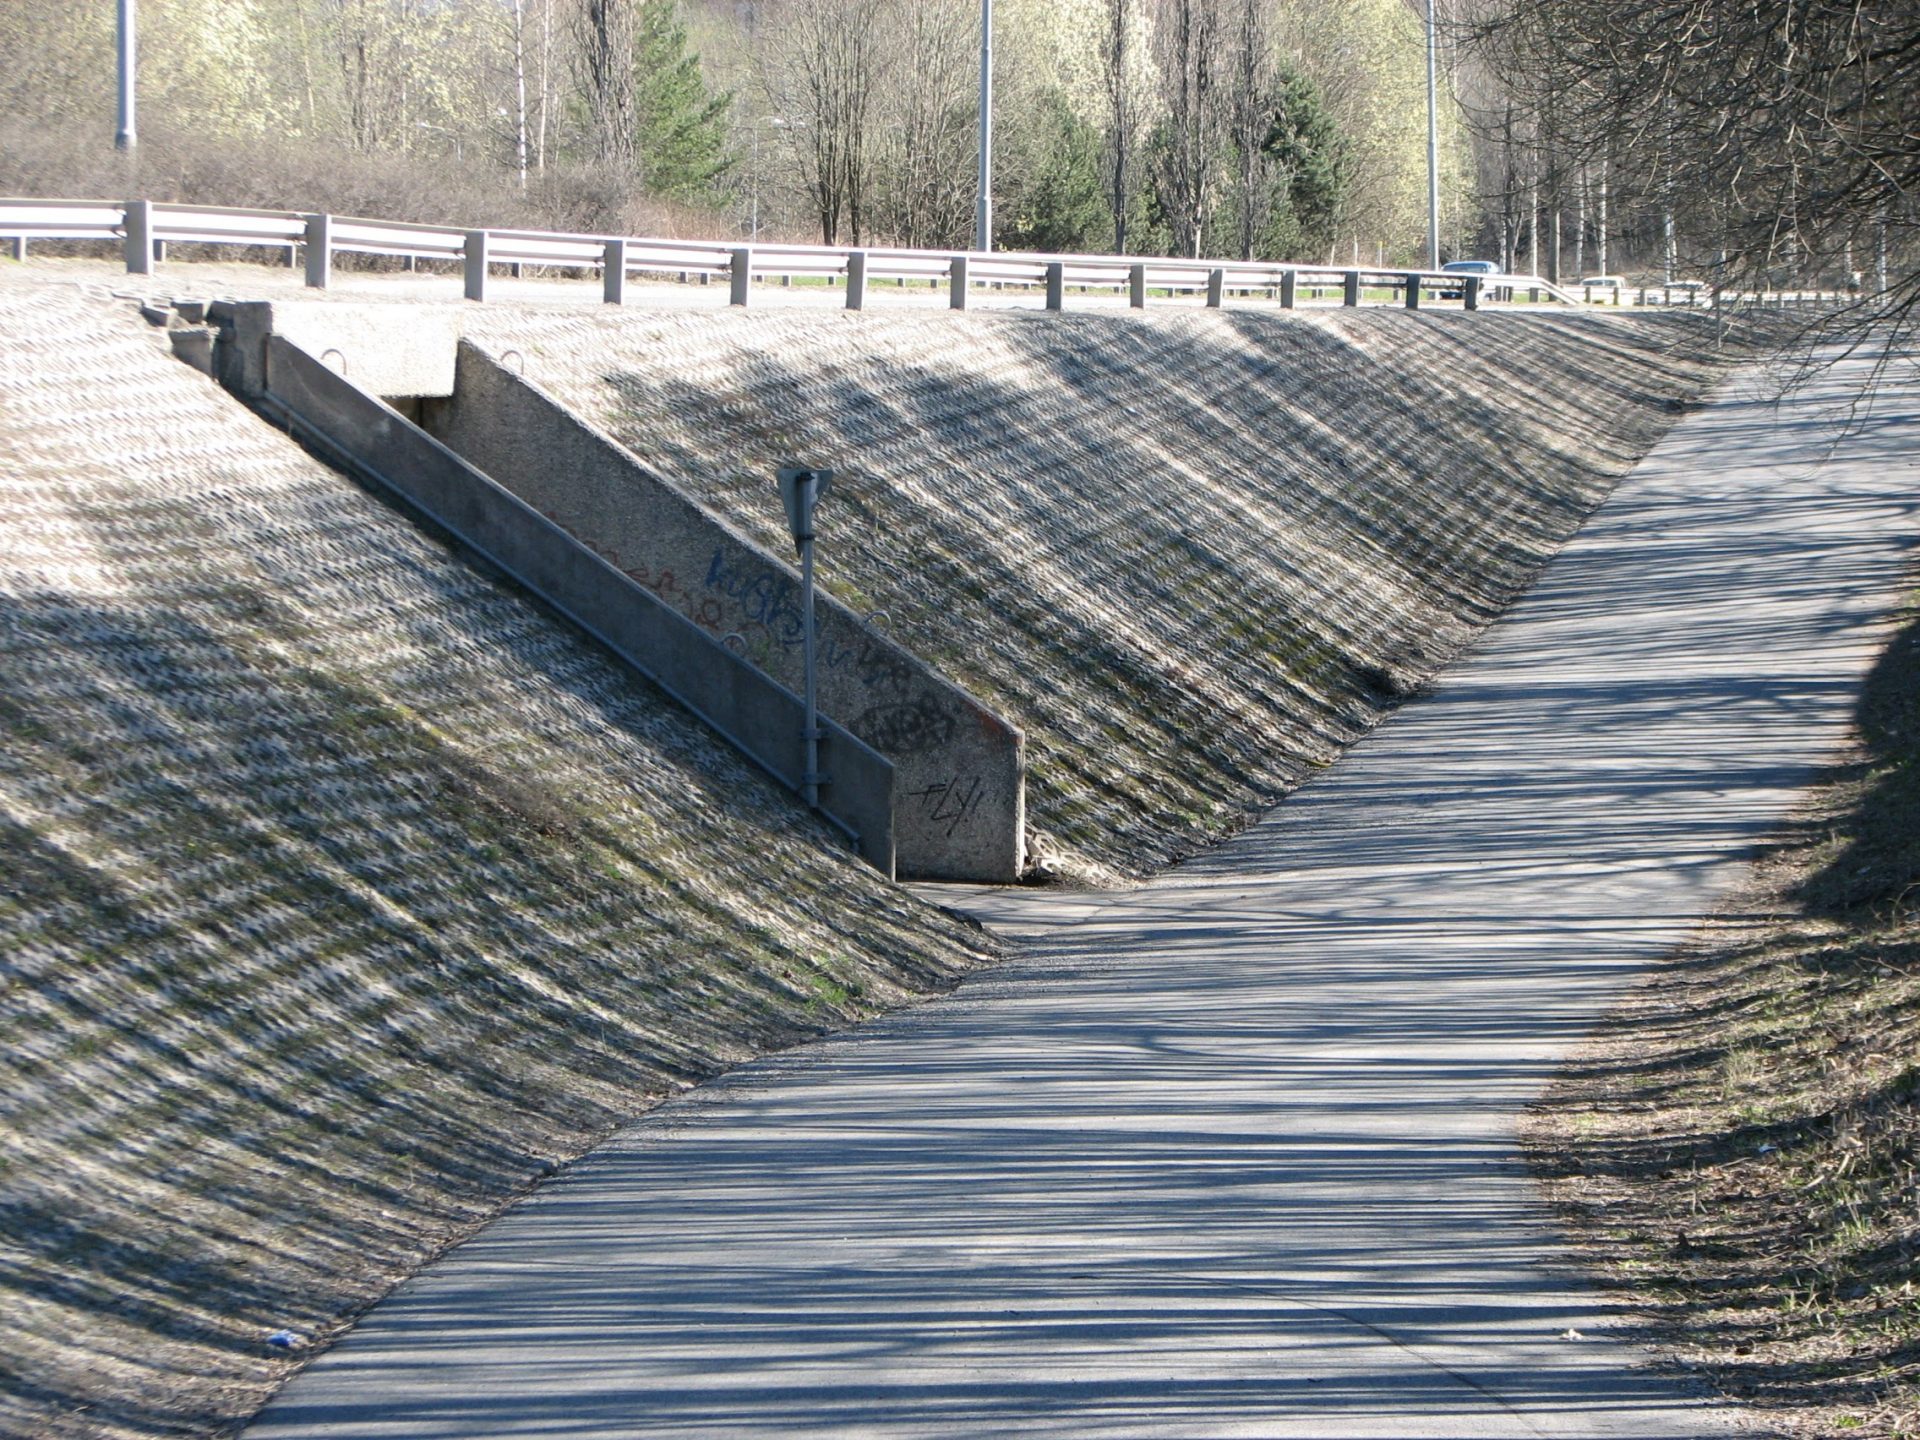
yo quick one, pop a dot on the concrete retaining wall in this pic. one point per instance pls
(382, 349)
(749, 708)
(959, 769)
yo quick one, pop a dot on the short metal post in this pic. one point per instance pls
(957, 281)
(740, 275)
(1137, 286)
(1289, 290)
(1413, 291)
(476, 254)
(1056, 285)
(1216, 287)
(800, 491)
(613, 273)
(810, 781)
(1352, 288)
(1470, 292)
(139, 227)
(19, 247)
(319, 251)
(856, 279)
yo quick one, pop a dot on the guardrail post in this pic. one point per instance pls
(139, 227)
(856, 279)
(1289, 290)
(740, 275)
(1470, 293)
(19, 245)
(1056, 285)
(613, 272)
(1413, 291)
(957, 283)
(319, 251)
(1137, 286)
(1352, 288)
(1216, 287)
(476, 253)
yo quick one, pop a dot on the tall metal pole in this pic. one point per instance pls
(983, 238)
(1433, 145)
(124, 137)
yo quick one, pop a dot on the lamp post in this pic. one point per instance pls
(1433, 146)
(124, 138)
(778, 122)
(983, 239)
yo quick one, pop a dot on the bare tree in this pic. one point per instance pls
(1118, 82)
(930, 110)
(1186, 165)
(603, 42)
(822, 71)
(1248, 115)
(1776, 136)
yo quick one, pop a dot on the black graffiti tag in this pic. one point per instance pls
(950, 801)
(909, 728)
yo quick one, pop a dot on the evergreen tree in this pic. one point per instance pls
(680, 126)
(1312, 168)
(1060, 205)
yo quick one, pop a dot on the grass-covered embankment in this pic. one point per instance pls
(1740, 1149)
(346, 892)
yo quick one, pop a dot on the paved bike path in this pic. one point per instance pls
(1230, 1154)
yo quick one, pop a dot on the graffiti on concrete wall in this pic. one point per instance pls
(949, 802)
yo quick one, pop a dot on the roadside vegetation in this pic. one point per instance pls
(1225, 127)
(1739, 1152)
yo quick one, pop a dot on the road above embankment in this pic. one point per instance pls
(1231, 1153)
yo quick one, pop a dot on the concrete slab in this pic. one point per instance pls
(1232, 1153)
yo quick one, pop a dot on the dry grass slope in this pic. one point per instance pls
(1741, 1148)
(346, 892)
(1191, 554)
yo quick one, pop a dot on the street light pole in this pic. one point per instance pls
(1433, 147)
(124, 137)
(983, 239)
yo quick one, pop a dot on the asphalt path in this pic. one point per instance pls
(1232, 1153)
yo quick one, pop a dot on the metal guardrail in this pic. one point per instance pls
(144, 228)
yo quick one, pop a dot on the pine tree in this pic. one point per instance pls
(680, 126)
(1312, 167)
